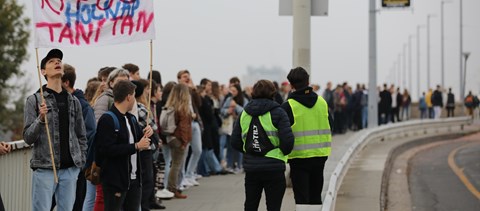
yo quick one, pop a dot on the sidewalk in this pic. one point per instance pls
(227, 192)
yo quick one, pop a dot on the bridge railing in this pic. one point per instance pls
(363, 137)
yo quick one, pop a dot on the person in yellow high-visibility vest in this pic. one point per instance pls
(310, 121)
(265, 151)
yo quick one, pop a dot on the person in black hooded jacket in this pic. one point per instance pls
(307, 159)
(267, 171)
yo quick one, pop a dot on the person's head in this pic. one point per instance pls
(133, 70)
(207, 85)
(69, 76)
(329, 85)
(438, 87)
(298, 78)
(51, 65)
(235, 90)
(156, 77)
(216, 92)
(156, 92)
(183, 77)
(234, 80)
(263, 89)
(91, 89)
(139, 92)
(384, 86)
(167, 89)
(124, 94)
(179, 98)
(423, 93)
(285, 88)
(450, 89)
(117, 75)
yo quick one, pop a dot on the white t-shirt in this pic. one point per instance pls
(133, 158)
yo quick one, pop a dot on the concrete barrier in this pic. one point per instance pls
(402, 129)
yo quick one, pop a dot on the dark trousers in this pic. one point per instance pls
(126, 200)
(273, 182)
(307, 179)
(450, 112)
(2, 208)
(148, 185)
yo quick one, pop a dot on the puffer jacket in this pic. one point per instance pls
(103, 103)
(258, 107)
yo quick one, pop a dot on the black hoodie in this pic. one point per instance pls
(306, 97)
(258, 107)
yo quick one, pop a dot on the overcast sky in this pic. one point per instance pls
(218, 39)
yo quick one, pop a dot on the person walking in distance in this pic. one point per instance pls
(264, 135)
(67, 129)
(310, 121)
(118, 140)
(450, 103)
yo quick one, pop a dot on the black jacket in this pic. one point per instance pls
(114, 150)
(306, 97)
(437, 99)
(257, 107)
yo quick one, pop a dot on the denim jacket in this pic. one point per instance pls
(34, 131)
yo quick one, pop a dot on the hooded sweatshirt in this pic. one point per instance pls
(258, 107)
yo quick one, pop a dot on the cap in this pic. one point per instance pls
(285, 83)
(54, 53)
(139, 89)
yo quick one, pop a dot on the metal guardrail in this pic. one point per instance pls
(16, 177)
(362, 138)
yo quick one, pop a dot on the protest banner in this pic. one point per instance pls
(67, 23)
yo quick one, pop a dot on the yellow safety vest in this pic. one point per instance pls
(272, 133)
(311, 130)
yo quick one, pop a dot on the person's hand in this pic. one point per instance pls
(5, 148)
(194, 115)
(143, 144)
(148, 131)
(42, 110)
(233, 103)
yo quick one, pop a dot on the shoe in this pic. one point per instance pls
(178, 195)
(193, 181)
(198, 176)
(164, 194)
(157, 206)
(186, 182)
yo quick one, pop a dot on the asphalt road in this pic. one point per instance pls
(447, 176)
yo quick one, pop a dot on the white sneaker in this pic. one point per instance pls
(193, 181)
(164, 194)
(308, 207)
(186, 182)
(198, 176)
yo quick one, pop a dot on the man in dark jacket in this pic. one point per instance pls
(437, 102)
(117, 151)
(68, 82)
(385, 105)
(310, 121)
(264, 170)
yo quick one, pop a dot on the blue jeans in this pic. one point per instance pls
(210, 161)
(196, 145)
(167, 156)
(222, 144)
(364, 116)
(43, 188)
(90, 197)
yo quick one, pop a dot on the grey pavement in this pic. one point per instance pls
(362, 184)
(227, 192)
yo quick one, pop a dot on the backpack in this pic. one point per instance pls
(167, 121)
(92, 173)
(257, 141)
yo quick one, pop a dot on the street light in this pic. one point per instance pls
(443, 44)
(465, 55)
(418, 59)
(428, 49)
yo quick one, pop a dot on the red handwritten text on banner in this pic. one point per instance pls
(92, 22)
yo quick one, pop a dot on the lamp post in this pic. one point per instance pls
(418, 59)
(465, 55)
(404, 68)
(442, 39)
(410, 63)
(462, 93)
(428, 49)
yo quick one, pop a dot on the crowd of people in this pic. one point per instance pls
(126, 143)
(108, 143)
